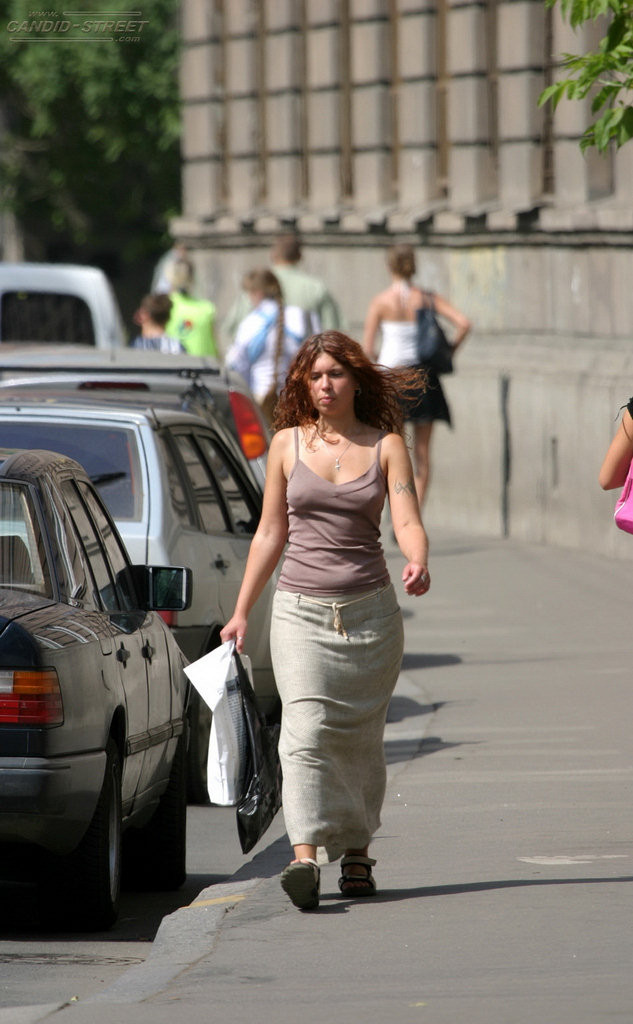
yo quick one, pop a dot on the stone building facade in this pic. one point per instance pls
(363, 122)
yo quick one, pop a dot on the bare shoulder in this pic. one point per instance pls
(393, 444)
(281, 439)
(281, 454)
(381, 300)
(394, 453)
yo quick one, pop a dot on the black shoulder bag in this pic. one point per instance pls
(434, 349)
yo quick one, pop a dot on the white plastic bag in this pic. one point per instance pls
(215, 678)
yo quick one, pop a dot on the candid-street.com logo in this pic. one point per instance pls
(78, 26)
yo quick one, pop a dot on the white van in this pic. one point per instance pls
(58, 303)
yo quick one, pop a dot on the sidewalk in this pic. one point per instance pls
(505, 860)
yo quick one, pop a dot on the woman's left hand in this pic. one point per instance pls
(416, 579)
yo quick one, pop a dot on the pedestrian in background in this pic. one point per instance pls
(267, 339)
(152, 317)
(160, 277)
(393, 313)
(192, 320)
(299, 289)
(615, 468)
(336, 632)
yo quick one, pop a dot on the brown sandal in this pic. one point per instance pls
(357, 885)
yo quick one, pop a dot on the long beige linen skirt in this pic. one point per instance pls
(336, 661)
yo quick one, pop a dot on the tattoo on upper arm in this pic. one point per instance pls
(408, 487)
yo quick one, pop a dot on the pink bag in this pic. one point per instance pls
(623, 513)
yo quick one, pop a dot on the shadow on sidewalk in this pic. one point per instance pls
(419, 746)
(406, 707)
(333, 903)
(418, 659)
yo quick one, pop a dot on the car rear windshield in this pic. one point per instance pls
(23, 564)
(108, 454)
(45, 316)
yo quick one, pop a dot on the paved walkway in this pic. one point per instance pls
(505, 860)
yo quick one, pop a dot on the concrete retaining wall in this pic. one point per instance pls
(531, 425)
(539, 384)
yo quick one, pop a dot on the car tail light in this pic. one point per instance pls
(169, 618)
(30, 697)
(250, 428)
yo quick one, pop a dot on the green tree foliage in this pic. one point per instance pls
(89, 150)
(606, 73)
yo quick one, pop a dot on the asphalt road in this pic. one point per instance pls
(42, 967)
(505, 856)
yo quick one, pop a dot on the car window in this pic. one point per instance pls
(207, 498)
(76, 582)
(45, 316)
(93, 547)
(23, 564)
(108, 454)
(179, 501)
(116, 556)
(244, 516)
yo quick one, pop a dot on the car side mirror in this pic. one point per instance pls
(163, 588)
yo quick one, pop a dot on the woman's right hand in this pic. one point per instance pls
(235, 629)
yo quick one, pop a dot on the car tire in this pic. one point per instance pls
(82, 890)
(155, 855)
(198, 753)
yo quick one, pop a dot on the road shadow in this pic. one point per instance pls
(139, 917)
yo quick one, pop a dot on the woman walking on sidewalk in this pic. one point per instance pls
(336, 633)
(392, 315)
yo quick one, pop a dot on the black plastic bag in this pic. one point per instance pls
(433, 347)
(261, 789)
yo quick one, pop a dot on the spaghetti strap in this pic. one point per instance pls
(379, 445)
(296, 432)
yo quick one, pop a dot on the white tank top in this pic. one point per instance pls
(399, 344)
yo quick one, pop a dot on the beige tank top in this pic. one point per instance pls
(334, 531)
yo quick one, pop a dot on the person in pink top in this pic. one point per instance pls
(615, 467)
(336, 631)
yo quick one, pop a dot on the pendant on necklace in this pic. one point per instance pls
(337, 465)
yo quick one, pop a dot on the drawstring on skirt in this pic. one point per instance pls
(336, 606)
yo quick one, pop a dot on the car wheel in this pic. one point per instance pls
(198, 753)
(82, 889)
(155, 855)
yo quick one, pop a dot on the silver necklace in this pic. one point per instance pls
(337, 460)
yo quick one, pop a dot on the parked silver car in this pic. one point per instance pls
(180, 493)
(194, 383)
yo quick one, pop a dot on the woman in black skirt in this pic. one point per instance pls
(393, 312)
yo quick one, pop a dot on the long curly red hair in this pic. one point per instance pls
(379, 402)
